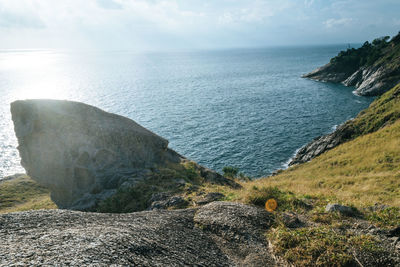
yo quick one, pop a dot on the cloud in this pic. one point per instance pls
(254, 12)
(333, 23)
(191, 23)
(308, 3)
(15, 19)
(109, 4)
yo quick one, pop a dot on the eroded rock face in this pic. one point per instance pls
(368, 81)
(83, 154)
(150, 238)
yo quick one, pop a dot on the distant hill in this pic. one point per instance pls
(372, 69)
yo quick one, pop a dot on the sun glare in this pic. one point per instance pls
(34, 74)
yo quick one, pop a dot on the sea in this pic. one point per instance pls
(246, 108)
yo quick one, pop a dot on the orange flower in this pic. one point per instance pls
(271, 205)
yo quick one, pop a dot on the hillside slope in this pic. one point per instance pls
(361, 172)
(383, 111)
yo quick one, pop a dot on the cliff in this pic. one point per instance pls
(372, 69)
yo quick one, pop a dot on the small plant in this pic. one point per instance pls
(285, 200)
(230, 172)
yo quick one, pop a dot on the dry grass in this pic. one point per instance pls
(361, 172)
(22, 194)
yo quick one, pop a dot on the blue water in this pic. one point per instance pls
(247, 108)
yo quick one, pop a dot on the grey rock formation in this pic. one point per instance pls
(345, 210)
(321, 144)
(168, 202)
(291, 220)
(83, 154)
(238, 230)
(327, 73)
(152, 238)
(368, 81)
(209, 197)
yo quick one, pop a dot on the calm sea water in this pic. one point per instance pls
(247, 108)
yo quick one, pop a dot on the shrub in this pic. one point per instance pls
(230, 171)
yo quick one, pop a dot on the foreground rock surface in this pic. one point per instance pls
(84, 154)
(218, 234)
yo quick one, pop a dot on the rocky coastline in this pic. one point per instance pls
(370, 76)
(154, 207)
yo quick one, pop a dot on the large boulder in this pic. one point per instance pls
(84, 154)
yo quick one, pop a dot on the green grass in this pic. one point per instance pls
(321, 246)
(23, 193)
(389, 217)
(361, 172)
(383, 111)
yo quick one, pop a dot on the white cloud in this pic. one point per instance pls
(109, 4)
(308, 3)
(193, 23)
(334, 23)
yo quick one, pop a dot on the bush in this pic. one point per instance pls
(230, 171)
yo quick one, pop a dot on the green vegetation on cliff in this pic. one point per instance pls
(380, 51)
(383, 111)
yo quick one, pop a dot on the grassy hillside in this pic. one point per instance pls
(383, 111)
(22, 193)
(361, 172)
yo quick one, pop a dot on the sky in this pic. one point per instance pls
(192, 24)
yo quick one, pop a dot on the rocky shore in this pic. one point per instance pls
(372, 69)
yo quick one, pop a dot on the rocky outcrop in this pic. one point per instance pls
(372, 69)
(84, 155)
(218, 234)
(368, 81)
(321, 144)
(327, 73)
